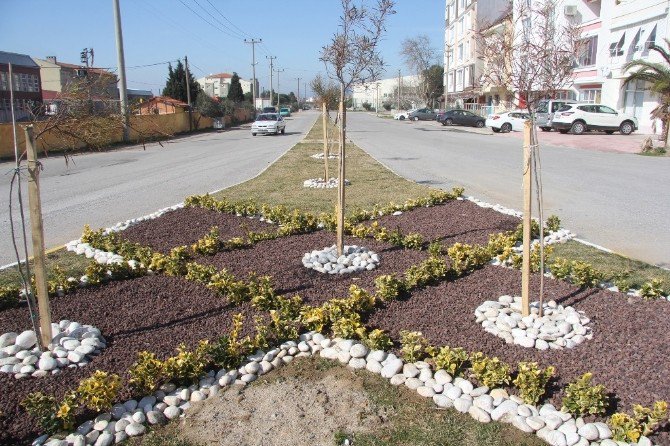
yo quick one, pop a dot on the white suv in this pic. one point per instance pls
(579, 118)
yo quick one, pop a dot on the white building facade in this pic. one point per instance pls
(217, 85)
(385, 91)
(462, 66)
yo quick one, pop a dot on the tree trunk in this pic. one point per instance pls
(341, 173)
(324, 110)
(667, 132)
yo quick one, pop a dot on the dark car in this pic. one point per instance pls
(269, 109)
(462, 117)
(423, 114)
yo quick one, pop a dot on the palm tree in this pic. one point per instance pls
(658, 75)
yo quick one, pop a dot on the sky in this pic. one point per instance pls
(158, 31)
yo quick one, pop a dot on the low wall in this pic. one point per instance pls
(142, 128)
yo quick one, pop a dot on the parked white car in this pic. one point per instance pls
(403, 115)
(268, 123)
(508, 121)
(581, 117)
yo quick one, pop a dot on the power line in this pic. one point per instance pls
(207, 21)
(226, 19)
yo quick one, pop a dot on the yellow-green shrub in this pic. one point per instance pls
(491, 372)
(199, 273)
(314, 318)
(187, 366)
(378, 340)
(9, 296)
(450, 359)
(652, 290)
(582, 398)
(348, 327)
(414, 345)
(145, 374)
(465, 258)
(229, 350)
(532, 381)
(96, 273)
(412, 241)
(209, 244)
(584, 275)
(51, 415)
(553, 223)
(643, 422)
(99, 391)
(388, 287)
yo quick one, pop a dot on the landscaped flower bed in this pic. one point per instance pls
(156, 312)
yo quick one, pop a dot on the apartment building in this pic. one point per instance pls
(462, 66)
(26, 85)
(385, 91)
(217, 85)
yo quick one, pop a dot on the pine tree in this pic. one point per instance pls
(235, 92)
(175, 86)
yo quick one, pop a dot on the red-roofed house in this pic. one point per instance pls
(161, 105)
(217, 85)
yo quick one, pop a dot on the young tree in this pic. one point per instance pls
(533, 57)
(419, 56)
(235, 92)
(208, 107)
(434, 78)
(352, 57)
(175, 85)
(657, 74)
(325, 92)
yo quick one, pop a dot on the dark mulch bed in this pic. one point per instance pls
(282, 259)
(185, 226)
(153, 313)
(628, 353)
(455, 221)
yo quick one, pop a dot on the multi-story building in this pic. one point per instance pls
(26, 85)
(462, 66)
(385, 91)
(60, 80)
(217, 85)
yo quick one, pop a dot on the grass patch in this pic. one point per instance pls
(166, 436)
(658, 151)
(69, 262)
(282, 182)
(611, 264)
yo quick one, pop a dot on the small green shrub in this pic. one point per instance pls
(561, 268)
(500, 245)
(582, 398)
(621, 281)
(644, 421)
(235, 243)
(435, 249)
(199, 273)
(283, 327)
(388, 287)
(553, 223)
(210, 244)
(429, 271)
(60, 282)
(99, 391)
(412, 241)
(584, 275)
(534, 231)
(187, 366)
(96, 273)
(652, 290)
(145, 374)
(314, 318)
(465, 258)
(361, 300)
(414, 345)
(349, 327)
(229, 350)
(9, 296)
(225, 284)
(52, 416)
(450, 359)
(532, 381)
(378, 340)
(491, 372)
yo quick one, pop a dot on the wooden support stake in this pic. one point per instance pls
(527, 209)
(37, 231)
(340, 184)
(324, 112)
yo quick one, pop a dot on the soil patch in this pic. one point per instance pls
(630, 339)
(185, 226)
(282, 259)
(297, 404)
(153, 313)
(454, 221)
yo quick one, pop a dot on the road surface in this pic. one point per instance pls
(103, 188)
(617, 200)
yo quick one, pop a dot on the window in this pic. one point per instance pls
(616, 49)
(460, 26)
(460, 52)
(635, 44)
(526, 28)
(450, 58)
(590, 95)
(459, 77)
(3, 81)
(472, 75)
(651, 39)
(466, 54)
(466, 76)
(605, 109)
(588, 51)
(588, 108)
(634, 98)
(467, 22)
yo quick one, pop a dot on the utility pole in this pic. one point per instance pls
(188, 94)
(123, 94)
(271, 59)
(278, 71)
(298, 79)
(253, 43)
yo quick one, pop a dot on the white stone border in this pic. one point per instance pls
(354, 259)
(131, 418)
(320, 156)
(320, 183)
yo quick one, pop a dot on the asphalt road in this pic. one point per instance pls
(616, 200)
(103, 188)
